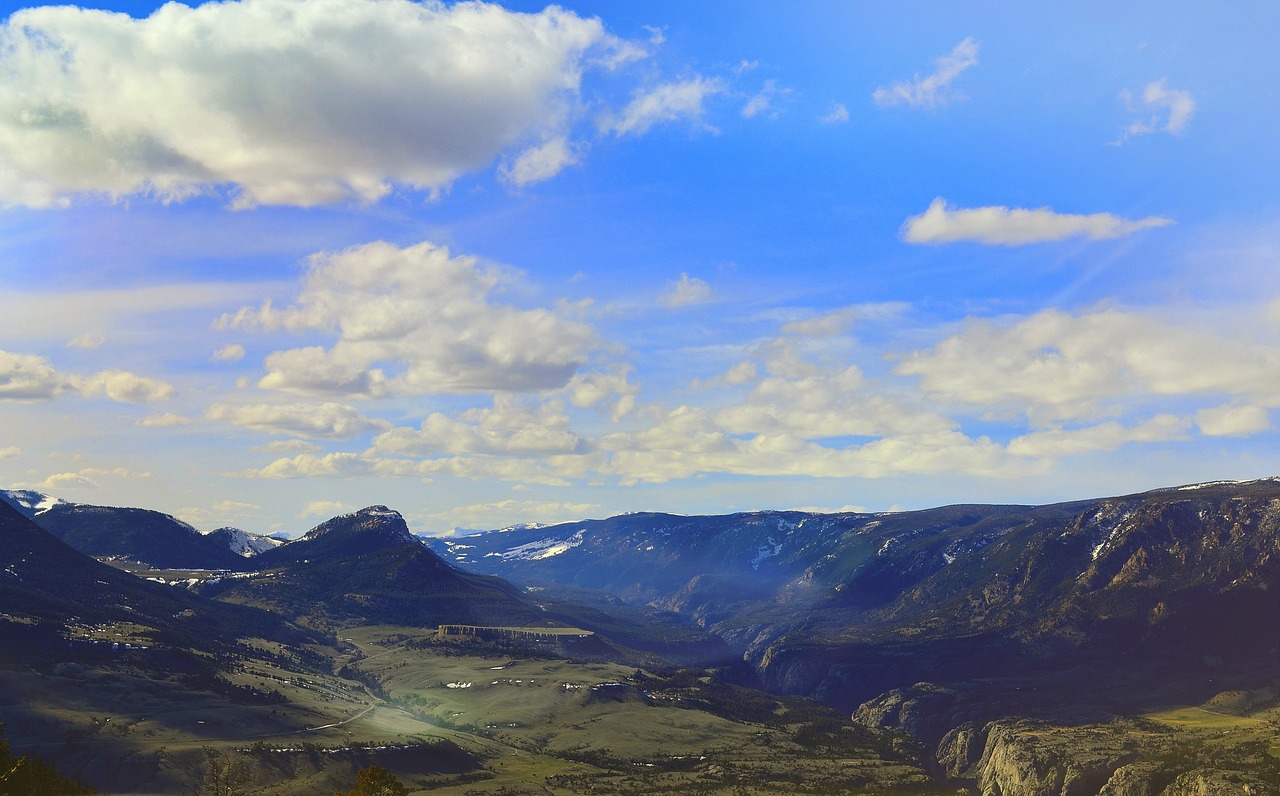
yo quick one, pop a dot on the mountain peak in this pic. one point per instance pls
(365, 531)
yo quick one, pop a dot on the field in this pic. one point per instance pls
(453, 717)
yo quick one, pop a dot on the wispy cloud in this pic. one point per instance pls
(685, 291)
(933, 89)
(668, 102)
(1167, 110)
(762, 102)
(229, 353)
(997, 225)
(836, 114)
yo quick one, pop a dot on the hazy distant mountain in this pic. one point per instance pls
(846, 606)
(243, 543)
(156, 539)
(29, 502)
(367, 567)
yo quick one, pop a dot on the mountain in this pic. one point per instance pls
(150, 537)
(367, 568)
(243, 543)
(48, 590)
(29, 502)
(848, 606)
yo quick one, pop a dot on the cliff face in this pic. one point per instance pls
(1121, 757)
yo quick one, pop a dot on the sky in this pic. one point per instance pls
(268, 261)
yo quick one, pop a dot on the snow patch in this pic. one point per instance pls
(767, 551)
(541, 549)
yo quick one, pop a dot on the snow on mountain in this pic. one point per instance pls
(243, 543)
(29, 502)
(542, 548)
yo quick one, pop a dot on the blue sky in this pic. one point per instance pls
(266, 261)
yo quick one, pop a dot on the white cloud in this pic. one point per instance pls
(11, 452)
(744, 372)
(836, 114)
(27, 377)
(164, 420)
(323, 508)
(540, 163)
(1055, 443)
(87, 341)
(326, 420)
(1233, 420)
(657, 35)
(59, 481)
(762, 101)
(1053, 365)
(298, 102)
(685, 291)
(512, 426)
(826, 405)
(423, 314)
(125, 387)
(310, 465)
(1170, 111)
(229, 353)
(287, 446)
(593, 388)
(664, 103)
(1003, 226)
(931, 90)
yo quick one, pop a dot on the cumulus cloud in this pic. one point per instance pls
(1054, 365)
(933, 89)
(836, 114)
(512, 426)
(1233, 420)
(664, 103)
(27, 377)
(297, 102)
(594, 388)
(326, 420)
(685, 291)
(1169, 110)
(311, 465)
(59, 481)
(122, 386)
(422, 314)
(11, 452)
(1055, 443)
(1003, 226)
(229, 353)
(163, 420)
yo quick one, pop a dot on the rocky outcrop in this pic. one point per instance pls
(960, 750)
(1217, 783)
(924, 711)
(1029, 759)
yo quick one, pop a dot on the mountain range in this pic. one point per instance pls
(941, 623)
